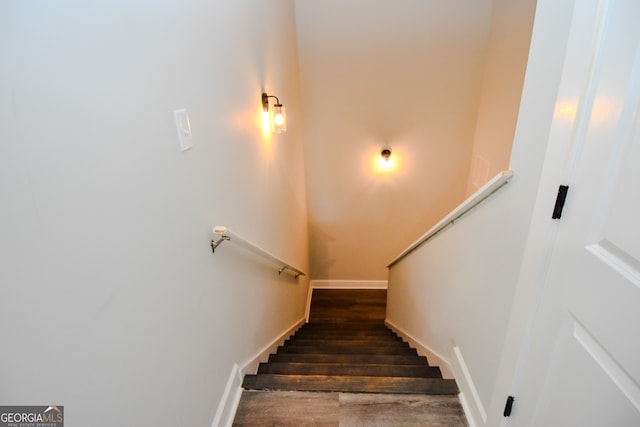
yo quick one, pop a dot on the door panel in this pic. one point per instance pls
(587, 383)
(586, 339)
(615, 231)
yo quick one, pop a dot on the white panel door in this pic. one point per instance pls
(582, 366)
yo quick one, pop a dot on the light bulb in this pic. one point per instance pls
(279, 123)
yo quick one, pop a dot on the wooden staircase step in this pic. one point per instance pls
(346, 349)
(381, 359)
(347, 324)
(344, 337)
(367, 332)
(296, 368)
(345, 332)
(354, 384)
(320, 342)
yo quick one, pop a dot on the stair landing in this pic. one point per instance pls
(296, 408)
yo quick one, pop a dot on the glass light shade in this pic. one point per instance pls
(279, 119)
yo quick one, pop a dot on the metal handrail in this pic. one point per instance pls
(226, 234)
(496, 183)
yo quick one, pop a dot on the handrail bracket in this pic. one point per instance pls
(216, 243)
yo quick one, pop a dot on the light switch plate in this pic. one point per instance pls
(184, 128)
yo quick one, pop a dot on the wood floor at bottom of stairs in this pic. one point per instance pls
(298, 408)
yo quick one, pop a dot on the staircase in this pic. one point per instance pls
(346, 347)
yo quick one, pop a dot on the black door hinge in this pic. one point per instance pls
(560, 199)
(508, 406)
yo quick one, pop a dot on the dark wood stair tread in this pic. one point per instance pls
(346, 349)
(400, 359)
(297, 368)
(333, 324)
(345, 332)
(371, 324)
(354, 384)
(383, 342)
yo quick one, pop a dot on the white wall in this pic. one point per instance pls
(404, 73)
(112, 303)
(506, 61)
(457, 290)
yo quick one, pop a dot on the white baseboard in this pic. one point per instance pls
(230, 399)
(233, 390)
(348, 284)
(466, 408)
(308, 308)
(474, 407)
(435, 359)
(251, 366)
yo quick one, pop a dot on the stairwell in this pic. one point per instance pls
(347, 348)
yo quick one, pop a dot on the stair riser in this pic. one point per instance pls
(343, 337)
(363, 325)
(350, 384)
(341, 343)
(350, 358)
(348, 333)
(344, 369)
(346, 350)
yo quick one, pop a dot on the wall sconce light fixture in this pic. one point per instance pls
(278, 115)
